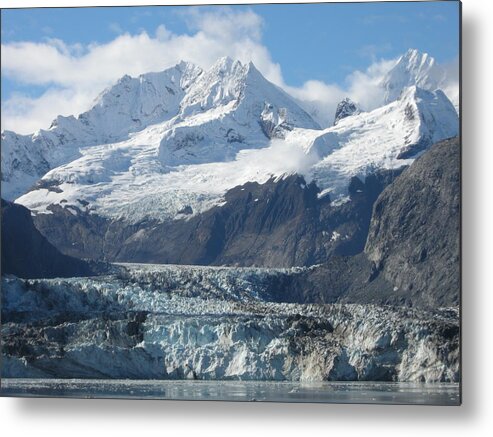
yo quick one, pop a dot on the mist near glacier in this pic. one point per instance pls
(282, 156)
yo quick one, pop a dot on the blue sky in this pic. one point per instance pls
(295, 43)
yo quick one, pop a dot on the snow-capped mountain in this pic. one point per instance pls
(386, 138)
(271, 249)
(416, 68)
(133, 180)
(231, 107)
(178, 140)
(130, 105)
(204, 116)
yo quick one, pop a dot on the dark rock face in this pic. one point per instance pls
(276, 224)
(27, 254)
(411, 247)
(345, 108)
(340, 279)
(412, 254)
(414, 234)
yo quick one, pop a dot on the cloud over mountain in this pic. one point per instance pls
(73, 74)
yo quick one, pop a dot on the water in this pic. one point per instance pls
(324, 392)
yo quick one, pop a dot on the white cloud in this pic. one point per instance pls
(282, 156)
(216, 35)
(451, 87)
(318, 99)
(23, 114)
(321, 99)
(76, 74)
(364, 86)
(225, 22)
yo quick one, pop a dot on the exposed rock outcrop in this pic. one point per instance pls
(412, 254)
(345, 108)
(414, 236)
(27, 254)
(281, 223)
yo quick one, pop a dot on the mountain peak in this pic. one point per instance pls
(412, 54)
(412, 68)
(415, 61)
(346, 108)
(225, 65)
(185, 65)
(124, 79)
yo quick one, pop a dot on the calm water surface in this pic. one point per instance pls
(330, 392)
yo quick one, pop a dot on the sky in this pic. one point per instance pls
(57, 60)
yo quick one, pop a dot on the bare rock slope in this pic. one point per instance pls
(414, 236)
(28, 254)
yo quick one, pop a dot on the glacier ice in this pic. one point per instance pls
(180, 322)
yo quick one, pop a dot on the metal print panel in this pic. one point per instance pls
(248, 202)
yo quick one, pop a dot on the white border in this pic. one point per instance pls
(46, 3)
(88, 418)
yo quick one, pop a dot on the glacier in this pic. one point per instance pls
(214, 323)
(169, 146)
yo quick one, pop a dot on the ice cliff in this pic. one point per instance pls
(154, 322)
